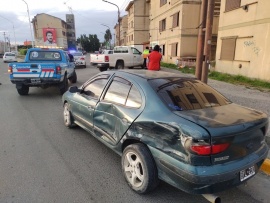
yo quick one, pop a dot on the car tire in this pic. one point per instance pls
(130, 67)
(84, 66)
(23, 90)
(73, 78)
(142, 67)
(102, 69)
(139, 168)
(119, 65)
(63, 87)
(68, 119)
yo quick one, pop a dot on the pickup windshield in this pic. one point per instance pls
(45, 56)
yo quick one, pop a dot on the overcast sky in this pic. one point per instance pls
(89, 15)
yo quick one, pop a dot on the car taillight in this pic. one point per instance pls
(106, 58)
(58, 70)
(207, 149)
(10, 69)
(82, 58)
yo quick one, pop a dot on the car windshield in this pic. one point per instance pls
(182, 94)
(45, 56)
(77, 54)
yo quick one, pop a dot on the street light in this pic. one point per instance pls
(118, 19)
(110, 34)
(13, 32)
(29, 23)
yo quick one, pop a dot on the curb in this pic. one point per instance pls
(266, 166)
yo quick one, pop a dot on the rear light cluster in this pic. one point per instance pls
(82, 58)
(10, 69)
(106, 58)
(58, 70)
(203, 148)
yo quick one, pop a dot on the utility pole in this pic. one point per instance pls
(4, 42)
(204, 48)
(200, 43)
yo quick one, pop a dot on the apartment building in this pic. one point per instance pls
(242, 46)
(123, 29)
(44, 25)
(137, 34)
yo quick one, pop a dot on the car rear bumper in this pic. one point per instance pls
(205, 179)
(106, 65)
(36, 81)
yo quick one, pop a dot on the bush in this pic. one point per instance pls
(23, 51)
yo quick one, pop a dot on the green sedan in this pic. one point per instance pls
(171, 128)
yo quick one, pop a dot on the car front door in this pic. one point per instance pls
(137, 57)
(120, 106)
(84, 103)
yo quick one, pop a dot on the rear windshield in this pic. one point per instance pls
(181, 94)
(9, 54)
(45, 56)
(77, 54)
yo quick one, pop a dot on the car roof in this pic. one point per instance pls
(153, 74)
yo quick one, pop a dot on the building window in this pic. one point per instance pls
(163, 2)
(162, 25)
(132, 24)
(162, 49)
(228, 48)
(132, 37)
(175, 21)
(64, 34)
(174, 49)
(232, 4)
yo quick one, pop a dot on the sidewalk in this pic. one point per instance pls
(244, 96)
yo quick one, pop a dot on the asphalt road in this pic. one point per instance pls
(43, 161)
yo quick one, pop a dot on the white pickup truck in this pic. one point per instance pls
(122, 56)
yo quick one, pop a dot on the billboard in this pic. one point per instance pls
(49, 36)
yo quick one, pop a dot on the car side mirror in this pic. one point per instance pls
(74, 89)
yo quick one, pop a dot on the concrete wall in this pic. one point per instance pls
(252, 28)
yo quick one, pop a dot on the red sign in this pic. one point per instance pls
(49, 36)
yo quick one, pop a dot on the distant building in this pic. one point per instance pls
(49, 31)
(71, 33)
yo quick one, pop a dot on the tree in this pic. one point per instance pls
(90, 43)
(108, 37)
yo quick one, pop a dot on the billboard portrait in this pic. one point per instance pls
(49, 36)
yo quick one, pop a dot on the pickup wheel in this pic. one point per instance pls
(23, 90)
(119, 65)
(73, 78)
(63, 87)
(130, 67)
(102, 69)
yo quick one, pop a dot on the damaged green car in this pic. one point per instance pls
(171, 128)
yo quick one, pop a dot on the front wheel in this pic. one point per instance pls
(23, 90)
(68, 120)
(139, 168)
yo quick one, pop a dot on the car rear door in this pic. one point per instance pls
(121, 105)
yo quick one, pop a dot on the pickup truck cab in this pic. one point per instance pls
(122, 57)
(43, 68)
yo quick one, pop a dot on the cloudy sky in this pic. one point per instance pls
(89, 15)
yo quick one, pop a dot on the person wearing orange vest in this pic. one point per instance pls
(145, 55)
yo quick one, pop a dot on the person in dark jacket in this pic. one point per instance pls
(154, 59)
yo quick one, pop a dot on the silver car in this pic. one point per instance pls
(79, 59)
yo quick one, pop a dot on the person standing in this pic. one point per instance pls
(154, 59)
(145, 55)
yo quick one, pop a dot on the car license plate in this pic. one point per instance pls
(247, 173)
(35, 80)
